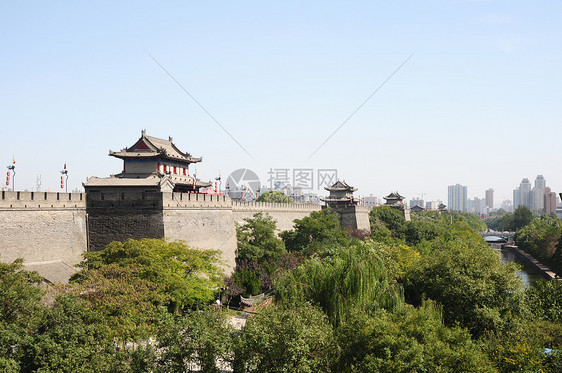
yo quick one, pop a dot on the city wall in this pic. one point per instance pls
(51, 231)
(208, 221)
(45, 229)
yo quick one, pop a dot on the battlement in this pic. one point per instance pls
(41, 200)
(272, 206)
(195, 200)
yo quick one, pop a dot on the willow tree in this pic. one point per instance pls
(354, 277)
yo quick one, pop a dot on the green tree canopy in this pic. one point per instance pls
(352, 277)
(476, 289)
(391, 218)
(183, 276)
(315, 233)
(257, 239)
(198, 338)
(521, 217)
(274, 196)
(540, 237)
(298, 339)
(71, 337)
(545, 300)
(20, 312)
(407, 339)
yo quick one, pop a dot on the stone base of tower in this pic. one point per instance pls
(354, 218)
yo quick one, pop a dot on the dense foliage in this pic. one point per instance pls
(476, 290)
(315, 234)
(257, 239)
(419, 295)
(509, 221)
(169, 273)
(297, 339)
(542, 238)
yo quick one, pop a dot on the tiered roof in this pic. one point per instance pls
(394, 196)
(157, 151)
(340, 194)
(153, 147)
(340, 185)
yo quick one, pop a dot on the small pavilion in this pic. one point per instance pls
(395, 200)
(341, 194)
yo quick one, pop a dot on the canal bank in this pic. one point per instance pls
(527, 259)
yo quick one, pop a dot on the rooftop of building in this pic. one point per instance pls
(340, 185)
(153, 147)
(394, 195)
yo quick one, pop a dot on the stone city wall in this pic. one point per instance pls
(42, 227)
(46, 227)
(283, 213)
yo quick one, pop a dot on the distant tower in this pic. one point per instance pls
(341, 194)
(522, 196)
(490, 198)
(537, 202)
(395, 200)
(549, 201)
(350, 215)
(457, 197)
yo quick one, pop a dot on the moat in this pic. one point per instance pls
(527, 273)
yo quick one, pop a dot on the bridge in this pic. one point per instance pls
(508, 236)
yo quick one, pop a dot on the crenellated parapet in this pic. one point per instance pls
(274, 206)
(41, 200)
(195, 201)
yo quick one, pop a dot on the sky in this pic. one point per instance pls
(425, 94)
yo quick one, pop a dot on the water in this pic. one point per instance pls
(528, 274)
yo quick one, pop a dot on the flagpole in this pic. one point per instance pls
(12, 168)
(65, 173)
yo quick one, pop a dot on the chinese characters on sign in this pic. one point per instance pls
(302, 178)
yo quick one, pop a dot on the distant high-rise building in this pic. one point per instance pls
(457, 197)
(417, 202)
(371, 201)
(537, 203)
(490, 198)
(522, 196)
(432, 205)
(549, 201)
(540, 182)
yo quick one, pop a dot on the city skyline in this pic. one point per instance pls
(415, 97)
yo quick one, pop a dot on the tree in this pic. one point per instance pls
(71, 337)
(351, 278)
(540, 237)
(407, 339)
(191, 342)
(393, 219)
(127, 301)
(315, 233)
(20, 312)
(476, 289)
(257, 239)
(184, 277)
(274, 196)
(297, 339)
(521, 217)
(545, 300)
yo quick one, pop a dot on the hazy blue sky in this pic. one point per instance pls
(478, 104)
